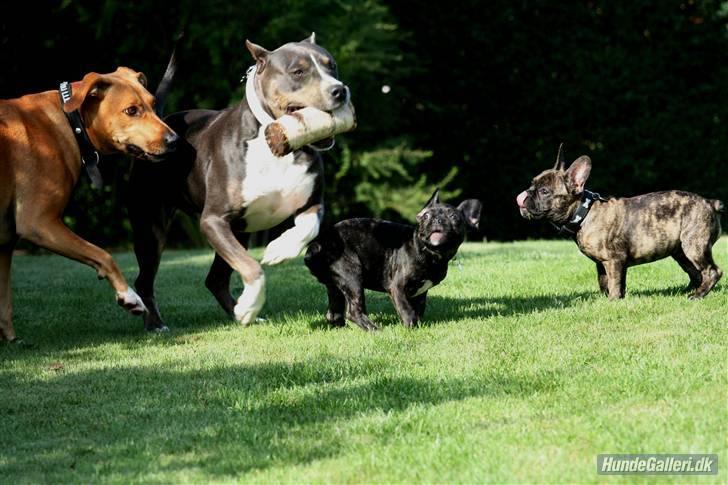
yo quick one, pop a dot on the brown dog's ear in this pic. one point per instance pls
(259, 53)
(311, 39)
(91, 85)
(577, 174)
(471, 212)
(560, 162)
(142, 79)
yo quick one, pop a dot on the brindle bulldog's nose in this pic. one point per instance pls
(338, 92)
(171, 140)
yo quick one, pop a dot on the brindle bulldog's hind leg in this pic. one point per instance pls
(695, 277)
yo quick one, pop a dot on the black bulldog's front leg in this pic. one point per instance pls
(404, 308)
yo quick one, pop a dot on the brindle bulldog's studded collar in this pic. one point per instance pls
(572, 227)
(89, 155)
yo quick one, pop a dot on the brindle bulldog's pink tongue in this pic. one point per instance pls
(436, 238)
(521, 199)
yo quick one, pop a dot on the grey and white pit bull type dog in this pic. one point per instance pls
(617, 233)
(225, 173)
(402, 260)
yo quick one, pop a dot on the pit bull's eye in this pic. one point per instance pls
(298, 73)
(132, 111)
(544, 191)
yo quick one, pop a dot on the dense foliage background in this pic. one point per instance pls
(479, 93)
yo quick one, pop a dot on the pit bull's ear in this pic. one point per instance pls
(311, 39)
(560, 162)
(577, 174)
(434, 200)
(91, 86)
(260, 55)
(471, 212)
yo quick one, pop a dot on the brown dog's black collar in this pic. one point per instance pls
(573, 226)
(89, 155)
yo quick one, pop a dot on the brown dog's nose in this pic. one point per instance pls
(171, 140)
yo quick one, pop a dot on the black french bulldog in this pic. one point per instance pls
(402, 260)
(617, 233)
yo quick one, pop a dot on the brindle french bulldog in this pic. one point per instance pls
(617, 233)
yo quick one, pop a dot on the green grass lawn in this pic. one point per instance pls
(520, 373)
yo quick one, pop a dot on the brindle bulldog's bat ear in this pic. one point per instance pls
(560, 162)
(577, 174)
(259, 53)
(434, 200)
(311, 39)
(471, 212)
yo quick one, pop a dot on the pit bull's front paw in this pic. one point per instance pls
(251, 301)
(280, 250)
(131, 302)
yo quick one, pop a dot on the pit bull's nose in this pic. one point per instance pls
(338, 92)
(171, 140)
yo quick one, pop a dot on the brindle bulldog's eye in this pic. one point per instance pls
(298, 73)
(544, 191)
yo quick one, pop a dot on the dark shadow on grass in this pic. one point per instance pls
(224, 421)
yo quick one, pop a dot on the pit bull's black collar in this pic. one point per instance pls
(89, 155)
(573, 226)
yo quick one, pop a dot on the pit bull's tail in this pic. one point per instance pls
(166, 82)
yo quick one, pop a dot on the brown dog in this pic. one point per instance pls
(40, 162)
(617, 233)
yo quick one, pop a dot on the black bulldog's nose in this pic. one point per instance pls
(171, 140)
(338, 92)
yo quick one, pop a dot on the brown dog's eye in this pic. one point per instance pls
(132, 111)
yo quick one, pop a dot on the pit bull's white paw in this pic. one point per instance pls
(131, 302)
(282, 249)
(251, 301)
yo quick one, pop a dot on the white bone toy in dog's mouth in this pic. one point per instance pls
(307, 126)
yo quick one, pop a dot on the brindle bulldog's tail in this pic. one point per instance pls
(166, 82)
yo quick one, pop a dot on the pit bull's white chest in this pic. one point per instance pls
(273, 188)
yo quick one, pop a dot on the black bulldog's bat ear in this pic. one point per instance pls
(577, 174)
(471, 212)
(311, 39)
(434, 200)
(259, 53)
(560, 162)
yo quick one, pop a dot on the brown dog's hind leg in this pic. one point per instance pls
(6, 295)
(616, 278)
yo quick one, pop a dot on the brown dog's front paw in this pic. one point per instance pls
(131, 302)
